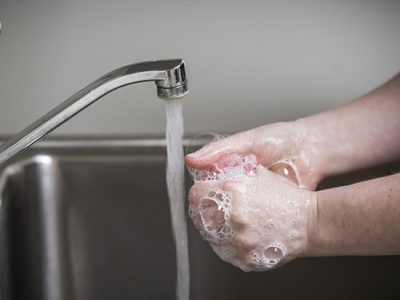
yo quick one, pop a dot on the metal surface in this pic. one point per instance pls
(169, 75)
(82, 222)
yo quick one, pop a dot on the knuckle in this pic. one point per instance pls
(197, 192)
(232, 186)
(236, 217)
(193, 192)
(242, 241)
(238, 240)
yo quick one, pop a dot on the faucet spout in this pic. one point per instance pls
(169, 76)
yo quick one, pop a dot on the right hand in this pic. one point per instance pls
(283, 148)
(252, 218)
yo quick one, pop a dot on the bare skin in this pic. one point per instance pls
(360, 134)
(360, 219)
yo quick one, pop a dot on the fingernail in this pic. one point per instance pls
(196, 154)
(252, 158)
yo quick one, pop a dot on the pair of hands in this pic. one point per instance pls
(253, 193)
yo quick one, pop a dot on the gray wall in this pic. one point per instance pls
(249, 62)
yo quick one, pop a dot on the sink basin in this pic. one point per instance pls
(91, 220)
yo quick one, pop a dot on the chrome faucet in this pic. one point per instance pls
(169, 76)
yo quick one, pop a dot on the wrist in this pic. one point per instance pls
(312, 240)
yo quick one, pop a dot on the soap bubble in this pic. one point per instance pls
(285, 169)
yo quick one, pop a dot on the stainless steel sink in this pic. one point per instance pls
(90, 220)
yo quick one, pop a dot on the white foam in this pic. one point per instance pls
(277, 221)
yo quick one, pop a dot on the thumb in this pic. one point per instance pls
(239, 143)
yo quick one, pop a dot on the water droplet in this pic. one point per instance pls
(285, 170)
(273, 253)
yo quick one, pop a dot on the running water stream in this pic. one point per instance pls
(176, 194)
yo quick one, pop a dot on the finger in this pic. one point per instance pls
(247, 161)
(199, 191)
(211, 153)
(209, 208)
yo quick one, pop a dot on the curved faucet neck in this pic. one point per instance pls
(169, 75)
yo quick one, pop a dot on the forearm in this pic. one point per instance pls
(359, 219)
(361, 133)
